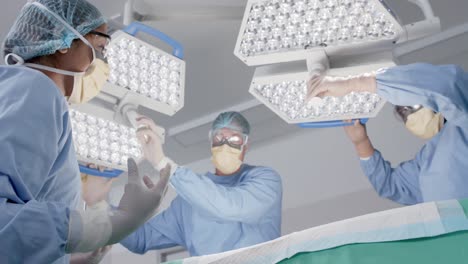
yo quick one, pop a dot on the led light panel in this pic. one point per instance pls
(286, 96)
(103, 142)
(281, 30)
(157, 76)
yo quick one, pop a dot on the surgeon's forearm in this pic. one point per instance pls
(363, 84)
(364, 148)
(442, 89)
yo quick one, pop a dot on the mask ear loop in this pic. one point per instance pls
(20, 61)
(441, 121)
(51, 69)
(245, 142)
(210, 139)
(16, 59)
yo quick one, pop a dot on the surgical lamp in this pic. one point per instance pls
(283, 89)
(145, 74)
(104, 130)
(275, 31)
(103, 142)
(296, 39)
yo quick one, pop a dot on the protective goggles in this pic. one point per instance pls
(237, 141)
(402, 112)
(100, 41)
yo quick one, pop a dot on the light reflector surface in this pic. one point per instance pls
(103, 142)
(275, 27)
(147, 71)
(287, 98)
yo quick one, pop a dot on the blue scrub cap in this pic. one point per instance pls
(232, 120)
(37, 32)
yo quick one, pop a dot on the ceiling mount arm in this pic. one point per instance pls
(425, 6)
(128, 12)
(429, 26)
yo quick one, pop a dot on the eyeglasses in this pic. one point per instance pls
(402, 112)
(100, 41)
(234, 141)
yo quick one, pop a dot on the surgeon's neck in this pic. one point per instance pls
(219, 173)
(62, 81)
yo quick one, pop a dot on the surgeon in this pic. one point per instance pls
(433, 103)
(49, 52)
(238, 205)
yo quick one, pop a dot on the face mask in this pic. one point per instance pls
(424, 123)
(88, 86)
(226, 159)
(76, 75)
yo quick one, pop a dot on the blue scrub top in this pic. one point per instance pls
(213, 214)
(39, 175)
(440, 169)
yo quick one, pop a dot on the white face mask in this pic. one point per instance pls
(424, 123)
(76, 75)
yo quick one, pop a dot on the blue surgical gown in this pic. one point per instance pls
(39, 175)
(212, 214)
(440, 169)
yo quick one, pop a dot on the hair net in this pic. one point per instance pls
(231, 120)
(36, 32)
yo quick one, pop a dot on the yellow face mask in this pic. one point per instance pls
(86, 87)
(226, 159)
(424, 123)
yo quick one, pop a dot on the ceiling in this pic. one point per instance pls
(216, 80)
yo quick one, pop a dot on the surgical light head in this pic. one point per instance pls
(155, 78)
(102, 142)
(337, 39)
(276, 31)
(284, 91)
(37, 32)
(141, 75)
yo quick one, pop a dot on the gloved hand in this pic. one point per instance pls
(321, 86)
(90, 258)
(357, 133)
(98, 226)
(150, 141)
(139, 203)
